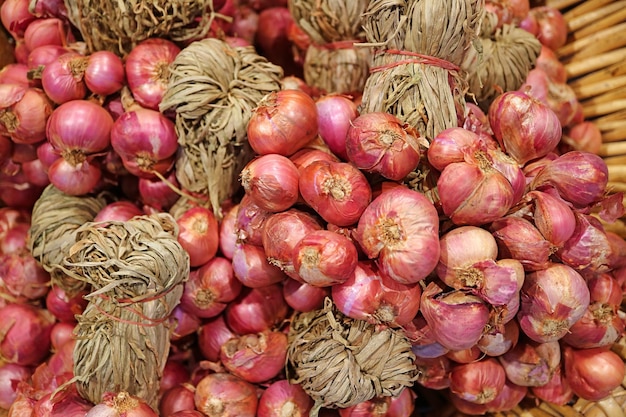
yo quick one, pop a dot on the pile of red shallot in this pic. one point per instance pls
(501, 276)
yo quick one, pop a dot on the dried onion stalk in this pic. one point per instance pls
(341, 361)
(136, 270)
(213, 89)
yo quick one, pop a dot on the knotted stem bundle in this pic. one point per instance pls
(332, 64)
(340, 361)
(420, 45)
(119, 25)
(213, 89)
(55, 220)
(136, 270)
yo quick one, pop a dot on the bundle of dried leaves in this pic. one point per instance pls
(416, 72)
(119, 25)
(213, 89)
(503, 63)
(56, 218)
(340, 361)
(136, 270)
(332, 63)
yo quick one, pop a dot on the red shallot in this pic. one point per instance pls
(271, 181)
(225, 395)
(256, 357)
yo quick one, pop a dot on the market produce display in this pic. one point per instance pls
(314, 208)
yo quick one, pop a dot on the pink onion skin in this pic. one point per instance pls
(400, 228)
(255, 357)
(510, 396)
(147, 70)
(251, 267)
(64, 306)
(182, 323)
(474, 192)
(62, 79)
(553, 299)
(212, 334)
(228, 232)
(550, 64)
(578, 177)
(399, 406)
(422, 338)
(585, 136)
(531, 364)
(177, 399)
(552, 26)
(304, 297)
(499, 339)
(282, 398)
(478, 382)
(104, 74)
(589, 248)
(518, 238)
(226, 395)
(434, 373)
(556, 391)
(118, 211)
(593, 373)
(198, 235)
(256, 310)
(121, 404)
(31, 111)
(271, 181)
(451, 145)
(10, 376)
(553, 217)
(25, 331)
(525, 128)
(250, 221)
(456, 319)
(335, 112)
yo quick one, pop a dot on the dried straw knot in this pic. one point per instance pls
(341, 361)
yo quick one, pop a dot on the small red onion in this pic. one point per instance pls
(118, 211)
(593, 373)
(422, 337)
(250, 221)
(22, 277)
(380, 142)
(182, 323)
(256, 310)
(210, 288)
(212, 335)
(584, 136)
(282, 398)
(79, 125)
(510, 396)
(531, 364)
(306, 156)
(63, 78)
(401, 405)
(272, 40)
(76, 176)
(499, 339)
(104, 73)
(468, 355)
(198, 235)
(553, 299)
(174, 373)
(121, 404)
(518, 238)
(560, 97)
(337, 191)
(478, 382)
(147, 70)
(24, 113)
(133, 138)
(64, 306)
(66, 403)
(14, 74)
(401, 229)
(589, 247)
(433, 373)
(62, 333)
(47, 31)
(252, 268)
(526, 128)
(457, 319)
(10, 377)
(177, 399)
(245, 23)
(552, 216)
(282, 232)
(228, 232)
(556, 391)
(552, 26)
(157, 193)
(17, 192)
(452, 144)
(283, 123)
(271, 181)
(25, 333)
(304, 297)
(225, 395)
(16, 16)
(335, 113)
(256, 357)
(323, 258)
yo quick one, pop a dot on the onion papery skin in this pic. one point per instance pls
(252, 268)
(499, 339)
(283, 123)
(335, 112)
(255, 357)
(474, 192)
(556, 391)
(283, 398)
(198, 235)
(104, 74)
(552, 216)
(368, 295)
(337, 191)
(519, 239)
(121, 404)
(589, 248)
(212, 334)
(225, 395)
(256, 310)
(210, 288)
(10, 376)
(62, 79)
(434, 373)
(250, 221)
(64, 306)
(304, 297)
(400, 228)
(387, 406)
(453, 144)
(552, 300)
(457, 319)
(593, 373)
(24, 120)
(176, 399)
(531, 364)
(526, 128)
(478, 382)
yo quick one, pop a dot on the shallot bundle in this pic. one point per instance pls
(333, 63)
(213, 89)
(136, 270)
